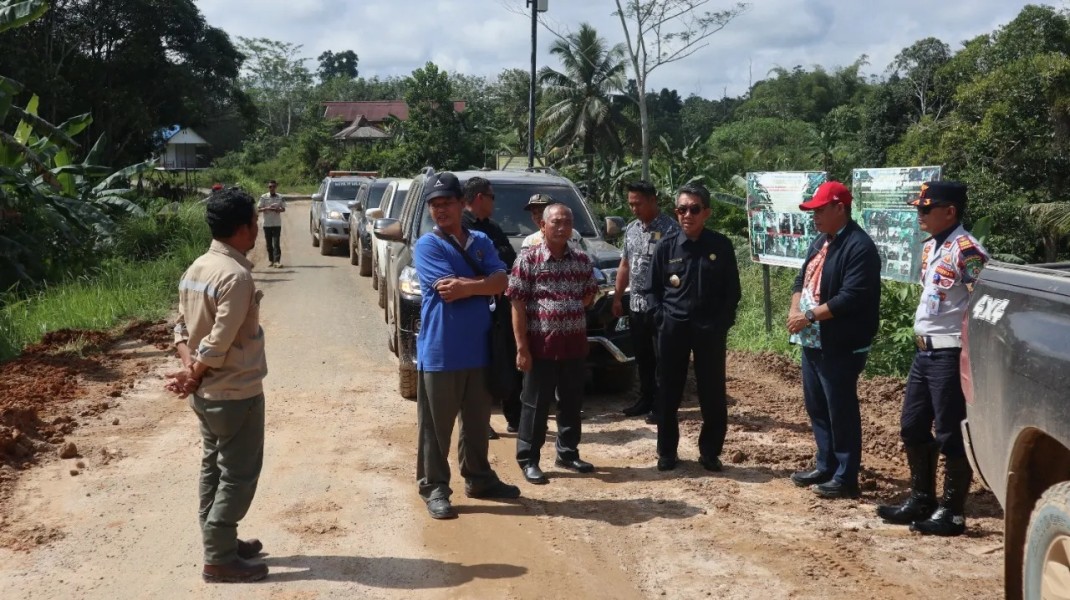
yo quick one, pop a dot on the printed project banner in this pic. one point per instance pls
(880, 207)
(780, 233)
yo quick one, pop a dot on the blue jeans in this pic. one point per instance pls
(830, 391)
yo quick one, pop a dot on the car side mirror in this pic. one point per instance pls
(388, 229)
(374, 214)
(317, 197)
(355, 206)
(614, 227)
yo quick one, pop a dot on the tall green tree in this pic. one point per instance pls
(434, 134)
(582, 112)
(916, 67)
(276, 78)
(660, 32)
(341, 64)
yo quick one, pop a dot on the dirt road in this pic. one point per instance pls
(338, 512)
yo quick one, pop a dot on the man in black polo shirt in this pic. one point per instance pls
(834, 316)
(479, 207)
(693, 293)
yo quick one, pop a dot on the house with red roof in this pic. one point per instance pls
(365, 121)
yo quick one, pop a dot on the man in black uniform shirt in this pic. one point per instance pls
(479, 207)
(694, 292)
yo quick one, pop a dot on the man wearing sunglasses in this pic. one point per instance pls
(693, 293)
(951, 261)
(835, 311)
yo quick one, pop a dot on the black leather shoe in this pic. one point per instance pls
(666, 463)
(250, 548)
(835, 489)
(809, 478)
(918, 507)
(639, 408)
(440, 508)
(498, 491)
(238, 570)
(577, 465)
(533, 474)
(511, 428)
(651, 419)
(491, 434)
(711, 464)
(942, 522)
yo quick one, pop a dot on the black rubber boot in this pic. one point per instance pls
(950, 518)
(922, 500)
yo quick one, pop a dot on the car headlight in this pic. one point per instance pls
(611, 275)
(599, 277)
(409, 282)
(334, 214)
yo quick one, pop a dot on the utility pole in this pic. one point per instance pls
(537, 6)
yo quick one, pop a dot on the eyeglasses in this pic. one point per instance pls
(924, 210)
(694, 209)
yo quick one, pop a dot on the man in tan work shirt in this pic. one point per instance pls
(219, 339)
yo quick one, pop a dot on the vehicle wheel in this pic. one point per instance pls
(325, 247)
(1046, 573)
(614, 380)
(365, 262)
(407, 382)
(354, 255)
(348, 251)
(315, 238)
(392, 340)
(382, 298)
(375, 277)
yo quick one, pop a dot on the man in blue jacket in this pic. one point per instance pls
(834, 316)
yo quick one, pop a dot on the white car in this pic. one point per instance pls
(389, 208)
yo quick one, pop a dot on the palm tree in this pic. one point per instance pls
(1052, 221)
(583, 112)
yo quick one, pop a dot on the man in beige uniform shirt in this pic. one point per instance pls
(219, 339)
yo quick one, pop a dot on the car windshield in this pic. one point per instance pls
(510, 200)
(397, 203)
(375, 194)
(343, 190)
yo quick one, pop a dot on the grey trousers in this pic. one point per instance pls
(442, 397)
(232, 432)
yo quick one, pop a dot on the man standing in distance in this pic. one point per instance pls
(453, 351)
(272, 205)
(640, 238)
(834, 316)
(694, 292)
(219, 339)
(951, 260)
(550, 287)
(479, 200)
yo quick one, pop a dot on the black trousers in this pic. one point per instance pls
(273, 237)
(547, 379)
(934, 399)
(511, 405)
(677, 340)
(644, 339)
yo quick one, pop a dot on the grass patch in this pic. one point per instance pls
(122, 289)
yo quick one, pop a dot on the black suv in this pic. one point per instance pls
(369, 196)
(611, 358)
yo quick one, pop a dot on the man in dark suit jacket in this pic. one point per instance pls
(834, 317)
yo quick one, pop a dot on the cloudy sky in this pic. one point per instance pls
(482, 37)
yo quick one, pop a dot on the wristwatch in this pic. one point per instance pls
(809, 314)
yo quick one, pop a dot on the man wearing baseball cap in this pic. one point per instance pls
(453, 350)
(951, 261)
(834, 317)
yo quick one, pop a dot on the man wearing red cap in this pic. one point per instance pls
(834, 317)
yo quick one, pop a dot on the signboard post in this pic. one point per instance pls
(880, 199)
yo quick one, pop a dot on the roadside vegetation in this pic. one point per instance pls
(993, 110)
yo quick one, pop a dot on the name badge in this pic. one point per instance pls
(932, 304)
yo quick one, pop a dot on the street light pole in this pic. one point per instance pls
(531, 89)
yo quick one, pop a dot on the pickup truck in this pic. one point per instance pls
(1016, 376)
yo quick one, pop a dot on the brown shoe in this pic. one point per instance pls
(238, 570)
(250, 548)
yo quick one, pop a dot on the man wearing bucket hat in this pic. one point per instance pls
(537, 203)
(950, 260)
(834, 317)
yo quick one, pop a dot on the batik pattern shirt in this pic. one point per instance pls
(639, 242)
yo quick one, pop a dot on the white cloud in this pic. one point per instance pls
(483, 37)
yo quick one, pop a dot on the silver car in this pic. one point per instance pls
(328, 219)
